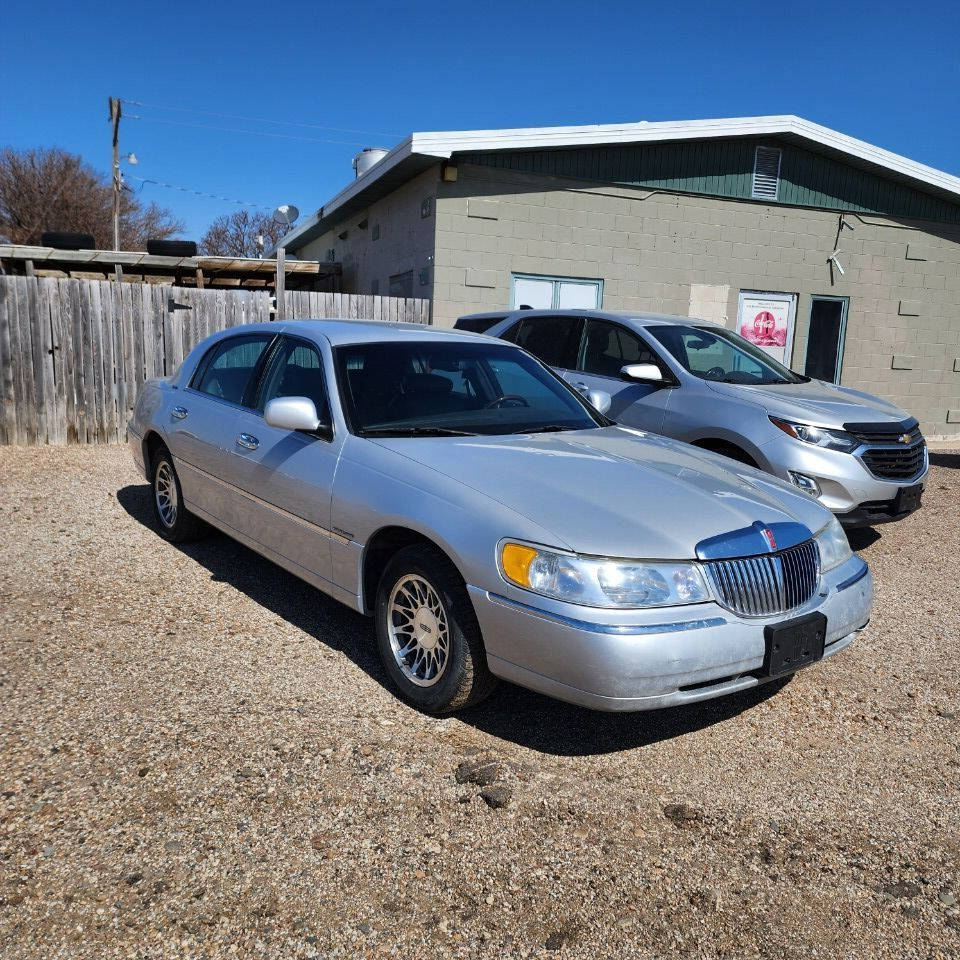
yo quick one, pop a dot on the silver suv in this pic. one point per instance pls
(860, 456)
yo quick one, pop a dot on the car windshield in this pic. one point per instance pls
(723, 356)
(423, 388)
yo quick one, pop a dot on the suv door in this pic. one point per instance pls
(287, 475)
(608, 346)
(554, 340)
(200, 422)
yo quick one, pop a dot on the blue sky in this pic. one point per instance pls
(886, 72)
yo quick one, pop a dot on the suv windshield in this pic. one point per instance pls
(723, 356)
(442, 388)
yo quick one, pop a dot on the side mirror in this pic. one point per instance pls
(642, 373)
(599, 399)
(292, 413)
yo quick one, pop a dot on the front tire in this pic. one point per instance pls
(174, 521)
(427, 632)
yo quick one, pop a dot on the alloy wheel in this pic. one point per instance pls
(418, 630)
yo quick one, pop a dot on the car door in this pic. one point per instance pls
(201, 421)
(286, 476)
(606, 348)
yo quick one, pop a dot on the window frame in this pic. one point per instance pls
(555, 292)
(841, 336)
(252, 384)
(665, 371)
(326, 430)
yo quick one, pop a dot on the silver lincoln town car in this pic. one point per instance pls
(493, 521)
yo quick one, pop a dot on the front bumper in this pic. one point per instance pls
(847, 487)
(641, 660)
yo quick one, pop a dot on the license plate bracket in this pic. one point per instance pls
(908, 499)
(794, 644)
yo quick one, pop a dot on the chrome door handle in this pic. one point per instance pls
(248, 441)
(178, 412)
(580, 385)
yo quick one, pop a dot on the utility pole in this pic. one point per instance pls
(115, 111)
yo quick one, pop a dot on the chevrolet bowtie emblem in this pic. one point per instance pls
(904, 437)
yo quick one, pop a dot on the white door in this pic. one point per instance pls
(536, 294)
(767, 321)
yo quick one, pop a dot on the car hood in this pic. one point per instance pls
(615, 491)
(817, 402)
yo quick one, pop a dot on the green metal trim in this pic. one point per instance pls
(724, 168)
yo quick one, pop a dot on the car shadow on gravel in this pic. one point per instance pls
(512, 713)
(949, 460)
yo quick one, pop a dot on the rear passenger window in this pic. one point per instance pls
(554, 340)
(226, 372)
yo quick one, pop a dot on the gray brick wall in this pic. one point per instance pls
(903, 279)
(405, 242)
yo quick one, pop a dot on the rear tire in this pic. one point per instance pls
(427, 632)
(174, 521)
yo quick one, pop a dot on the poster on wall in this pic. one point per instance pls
(766, 320)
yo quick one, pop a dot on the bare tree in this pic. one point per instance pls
(235, 234)
(50, 189)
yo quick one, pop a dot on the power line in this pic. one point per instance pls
(234, 116)
(199, 193)
(253, 133)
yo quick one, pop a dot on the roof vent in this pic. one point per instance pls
(766, 173)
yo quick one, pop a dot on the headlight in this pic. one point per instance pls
(818, 436)
(601, 582)
(834, 546)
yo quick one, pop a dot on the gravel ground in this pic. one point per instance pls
(200, 758)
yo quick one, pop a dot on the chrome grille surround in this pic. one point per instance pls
(768, 584)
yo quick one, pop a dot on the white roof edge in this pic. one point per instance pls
(443, 144)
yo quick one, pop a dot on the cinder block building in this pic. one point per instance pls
(854, 251)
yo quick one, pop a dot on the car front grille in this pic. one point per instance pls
(882, 433)
(895, 463)
(767, 585)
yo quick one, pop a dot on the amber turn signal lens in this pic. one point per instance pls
(515, 559)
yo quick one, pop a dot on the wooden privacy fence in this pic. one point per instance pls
(74, 353)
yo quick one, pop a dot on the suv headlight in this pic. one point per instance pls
(601, 581)
(818, 436)
(834, 545)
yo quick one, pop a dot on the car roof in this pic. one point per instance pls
(342, 332)
(638, 319)
(490, 315)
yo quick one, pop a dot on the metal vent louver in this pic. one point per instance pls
(766, 173)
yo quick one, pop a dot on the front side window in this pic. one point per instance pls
(554, 340)
(721, 355)
(226, 371)
(296, 371)
(411, 388)
(610, 347)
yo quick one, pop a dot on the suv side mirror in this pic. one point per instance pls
(643, 373)
(292, 413)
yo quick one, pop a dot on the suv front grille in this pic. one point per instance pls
(895, 463)
(888, 436)
(767, 585)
